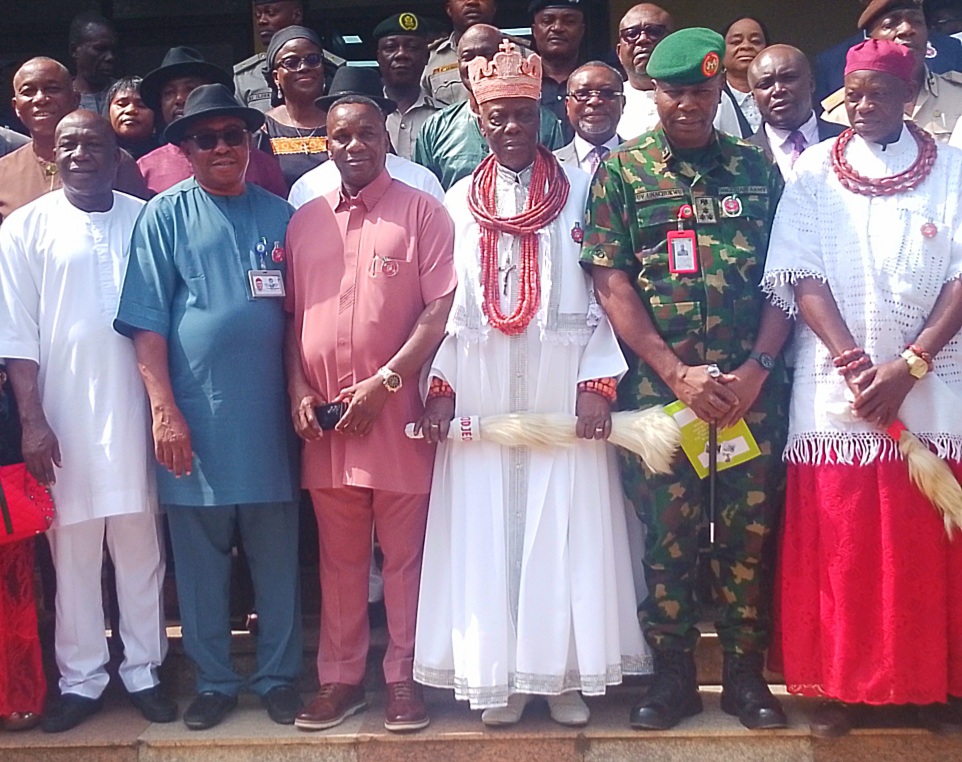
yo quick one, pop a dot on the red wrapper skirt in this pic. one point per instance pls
(868, 599)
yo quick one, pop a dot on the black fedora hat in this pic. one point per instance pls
(180, 62)
(209, 101)
(354, 80)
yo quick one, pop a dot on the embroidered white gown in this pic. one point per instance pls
(526, 583)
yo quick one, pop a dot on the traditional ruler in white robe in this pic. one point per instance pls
(60, 275)
(885, 275)
(526, 584)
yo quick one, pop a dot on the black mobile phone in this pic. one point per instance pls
(328, 415)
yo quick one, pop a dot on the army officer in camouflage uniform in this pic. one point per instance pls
(677, 316)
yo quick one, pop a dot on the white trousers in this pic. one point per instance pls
(136, 546)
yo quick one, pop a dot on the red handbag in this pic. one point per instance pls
(26, 508)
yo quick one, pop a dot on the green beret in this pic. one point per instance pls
(687, 57)
(401, 23)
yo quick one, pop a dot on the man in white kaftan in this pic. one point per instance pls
(84, 412)
(526, 584)
(866, 248)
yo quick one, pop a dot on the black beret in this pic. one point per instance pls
(540, 5)
(401, 23)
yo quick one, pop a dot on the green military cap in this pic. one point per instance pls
(401, 23)
(687, 57)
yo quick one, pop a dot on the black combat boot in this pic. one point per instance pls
(673, 694)
(746, 695)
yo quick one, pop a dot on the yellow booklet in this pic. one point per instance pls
(736, 445)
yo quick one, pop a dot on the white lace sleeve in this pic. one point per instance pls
(794, 251)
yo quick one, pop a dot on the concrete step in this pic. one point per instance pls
(119, 734)
(178, 671)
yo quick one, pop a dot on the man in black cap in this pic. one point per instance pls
(202, 301)
(781, 81)
(165, 90)
(270, 17)
(402, 54)
(558, 30)
(93, 48)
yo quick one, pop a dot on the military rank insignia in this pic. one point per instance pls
(705, 210)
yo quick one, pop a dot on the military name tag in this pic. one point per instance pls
(682, 252)
(266, 283)
(705, 210)
(653, 195)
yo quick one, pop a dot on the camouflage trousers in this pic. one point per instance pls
(749, 499)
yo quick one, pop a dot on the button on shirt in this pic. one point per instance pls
(782, 147)
(404, 128)
(442, 78)
(361, 271)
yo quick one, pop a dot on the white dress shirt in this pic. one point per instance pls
(639, 115)
(583, 148)
(726, 118)
(326, 178)
(782, 146)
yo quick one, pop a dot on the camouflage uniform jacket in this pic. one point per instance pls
(711, 316)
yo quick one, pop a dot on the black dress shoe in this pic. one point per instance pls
(832, 719)
(283, 703)
(673, 694)
(746, 695)
(208, 709)
(154, 704)
(69, 712)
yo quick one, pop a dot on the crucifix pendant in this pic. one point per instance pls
(507, 270)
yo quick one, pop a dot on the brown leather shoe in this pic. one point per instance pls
(333, 704)
(405, 707)
(832, 719)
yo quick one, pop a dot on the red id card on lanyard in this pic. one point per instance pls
(682, 252)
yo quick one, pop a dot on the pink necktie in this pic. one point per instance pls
(798, 145)
(595, 156)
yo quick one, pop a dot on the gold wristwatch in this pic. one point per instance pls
(390, 379)
(917, 366)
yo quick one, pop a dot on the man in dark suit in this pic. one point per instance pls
(781, 81)
(944, 54)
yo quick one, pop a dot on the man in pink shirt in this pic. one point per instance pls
(165, 90)
(370, 282)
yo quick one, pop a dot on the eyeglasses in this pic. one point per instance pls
(651, 31)
(605, 94)
(207, 141)
(295, 63)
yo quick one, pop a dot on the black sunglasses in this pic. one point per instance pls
(207, 141)
(294, 63)
(651, 31)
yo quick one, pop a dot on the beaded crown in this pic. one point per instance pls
(507, 75)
